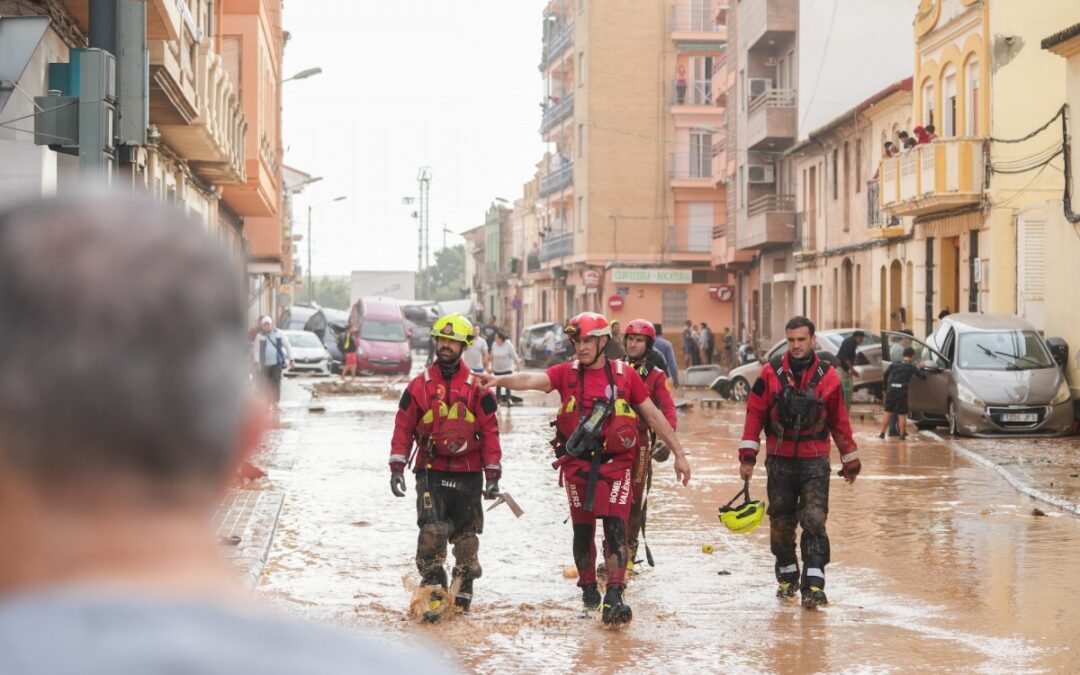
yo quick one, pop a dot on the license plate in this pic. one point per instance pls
(1020, 417)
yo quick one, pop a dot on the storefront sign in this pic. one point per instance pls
(591, 278)
(623, 291)
(615, 302)
(651, 276)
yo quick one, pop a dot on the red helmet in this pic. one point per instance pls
(641, 327)
(588, 324)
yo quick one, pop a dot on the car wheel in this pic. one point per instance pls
(951, 417)
(740, 389)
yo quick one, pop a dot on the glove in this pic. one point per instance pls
(397, 483)
(491, 491)
(850, 469)
(747, 456)
(661, 452)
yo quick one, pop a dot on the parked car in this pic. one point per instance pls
(989, 375)
(309, 354)
(532, 350)
(868, 368)
(382, 344)
(325, 322)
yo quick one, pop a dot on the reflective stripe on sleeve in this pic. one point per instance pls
(396, 459)
(850, 457)
(751, 445)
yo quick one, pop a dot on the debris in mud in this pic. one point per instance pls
(707, 549)
(724, 573)
(316, 408)
(569, 572)
(361, 523)
(1038, 512)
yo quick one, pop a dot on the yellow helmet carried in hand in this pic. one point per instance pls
(453, 327)
(744, 518)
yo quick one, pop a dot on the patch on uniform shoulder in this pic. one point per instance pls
(406, 400)
(759, 387)
(488, 403)
(667, 384)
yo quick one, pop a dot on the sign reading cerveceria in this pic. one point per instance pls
(651, 276)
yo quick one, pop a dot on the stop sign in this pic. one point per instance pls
(615, 302)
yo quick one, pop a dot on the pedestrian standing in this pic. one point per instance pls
(272, 354)
(447, 430)
(846, 356)
(663, 345)
(689, 344)
(489, 330)
(477, 356)
(614, 349)
(798, 402)
(596, 452)
(708, 344)
(680, 84)
(504, 361)
(346, 344)
(729, 348)
(695, 342)
(897, 379)
(109, 563)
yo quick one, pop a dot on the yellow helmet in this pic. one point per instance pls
(453, 327)
(744, 518)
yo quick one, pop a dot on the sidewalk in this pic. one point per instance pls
(1046, 470)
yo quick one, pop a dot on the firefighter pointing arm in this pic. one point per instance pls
(798, 402)
(447, 430)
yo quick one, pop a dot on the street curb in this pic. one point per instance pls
(1033, 493)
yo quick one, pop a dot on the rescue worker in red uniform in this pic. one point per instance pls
(596, 443)
(638, 339)
(798, 402)
(446, 421)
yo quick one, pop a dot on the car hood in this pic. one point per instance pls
(1013, 387)
(308, 352)
(384, 350)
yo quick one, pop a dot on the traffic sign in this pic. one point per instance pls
(615, 302)
(723, 293)
(591, 278)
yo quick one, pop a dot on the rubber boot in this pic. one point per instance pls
(787, 586)
(615, 611)
(436, 606)
(814, 597)
(462, 604)
(590, 598)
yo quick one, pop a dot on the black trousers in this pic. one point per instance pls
(272, 375)
(798, 492)
(448, 510)
(502, 393)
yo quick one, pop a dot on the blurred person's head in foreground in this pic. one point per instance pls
(125, 408)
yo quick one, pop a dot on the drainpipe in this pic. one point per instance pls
(103, 25)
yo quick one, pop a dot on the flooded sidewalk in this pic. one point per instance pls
(938, 565)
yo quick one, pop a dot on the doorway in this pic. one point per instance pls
(950, 274)
(895, 295)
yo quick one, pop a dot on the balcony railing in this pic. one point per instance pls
(773, 98)
(771, 204)
(692, 92)
(944, 174)
(557, 180)
(691, 166)
(694, 18)
(771, 222)
(690, 239)
(556, 246)
(556, 45)
(556, 112)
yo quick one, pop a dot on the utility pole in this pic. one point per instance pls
(423, 179)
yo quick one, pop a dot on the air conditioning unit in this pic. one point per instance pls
(771, 61)
(759, 85)
(761, 173)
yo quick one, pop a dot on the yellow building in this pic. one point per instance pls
(978, 201)
(1062, 244)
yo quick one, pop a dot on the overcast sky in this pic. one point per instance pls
(408, 83)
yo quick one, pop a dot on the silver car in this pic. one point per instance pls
(309, 353)
(736, 384)
(988, 375)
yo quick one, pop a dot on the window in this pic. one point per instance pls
(948, 102)
(858, 165)
(581, 69)
(835, 173)
(928, 103)
(971, 102)
(700, 155)
(674, 309)
(580, 214)
(740, 196)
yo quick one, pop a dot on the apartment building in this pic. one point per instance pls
(979, 201)
(213, 136)
(851, 262)
(785, 74)
(627, 201)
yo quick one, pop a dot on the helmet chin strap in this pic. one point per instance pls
(599, 352)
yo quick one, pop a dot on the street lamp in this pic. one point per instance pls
(309, 72)
(310, 208)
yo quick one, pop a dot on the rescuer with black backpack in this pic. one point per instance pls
(798, 402)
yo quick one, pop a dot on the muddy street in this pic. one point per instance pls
(938, 564)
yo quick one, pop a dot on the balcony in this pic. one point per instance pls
(694, 93)
(762, 21)
(532, 263)
(556, 246)
(172, 82)
(556, 180)
(214, 141)
(556, 45)
(770, 222)
(878, 224)
(692, 169)
(556, 113)
(945, 174)
(805, 234)
(771, 122)
(696, 22)
(690, 239)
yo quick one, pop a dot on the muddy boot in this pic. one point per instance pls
(786, 590)
(632, 559)
(462, 604)
(814, 597)
(615, 611)
(590, 598)
(436, 606)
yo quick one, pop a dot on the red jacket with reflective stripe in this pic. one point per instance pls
(660, 393)
(759, 412)
(424, 393)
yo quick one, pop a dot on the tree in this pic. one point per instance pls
(333, 292)
(446, 278)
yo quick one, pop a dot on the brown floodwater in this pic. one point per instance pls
(938, 564)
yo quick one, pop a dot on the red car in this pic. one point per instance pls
(382, 337)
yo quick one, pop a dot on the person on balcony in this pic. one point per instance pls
(680, 84)
(922, 135)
